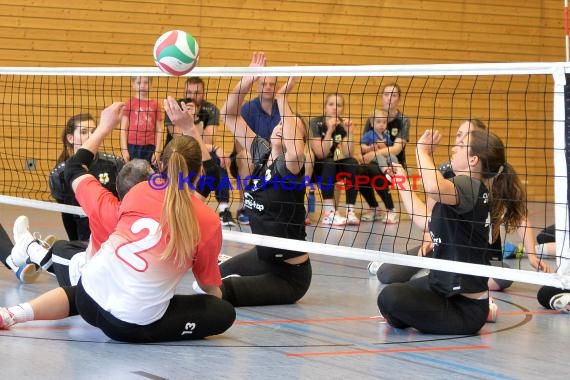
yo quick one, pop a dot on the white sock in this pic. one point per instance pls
(11, 264)
(22, 312)
(223, 206)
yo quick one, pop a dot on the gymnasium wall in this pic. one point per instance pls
(121, 33)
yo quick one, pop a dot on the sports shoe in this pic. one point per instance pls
(390, 217)
(26, 244)
(28, 273)
(242, 218)
(333, 218)
(371, 215)
(352, 219)
(374, 266)
(22, 238)
(227, 219)
(493, 310)
(222, 258)
(6, 319)
(561, 302)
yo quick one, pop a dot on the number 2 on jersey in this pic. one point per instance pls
(130, 252)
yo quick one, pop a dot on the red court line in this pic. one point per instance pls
(346, 319)
(392, 350)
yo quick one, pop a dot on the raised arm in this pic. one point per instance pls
(293, 131)
(184, 120)
(230, 111)
(435, 186)
(413, 205)
(110, 118)
(123, 138)
(159, 136)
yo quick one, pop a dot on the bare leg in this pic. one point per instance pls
(52, 305)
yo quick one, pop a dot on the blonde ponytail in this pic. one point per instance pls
(182, 160)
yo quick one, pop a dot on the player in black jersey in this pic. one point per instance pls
(446, 302)
(274, 202)
(105, 168)
(391, 273)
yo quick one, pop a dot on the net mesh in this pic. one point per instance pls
(517, 102)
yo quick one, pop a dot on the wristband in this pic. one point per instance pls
(208, 165)
(77, 165)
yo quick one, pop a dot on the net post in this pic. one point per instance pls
(561, 104)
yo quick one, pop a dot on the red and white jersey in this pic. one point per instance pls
(102, 208)
(128, 278)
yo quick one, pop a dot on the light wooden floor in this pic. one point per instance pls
(334, 332)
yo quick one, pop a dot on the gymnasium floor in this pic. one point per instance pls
(334, 332)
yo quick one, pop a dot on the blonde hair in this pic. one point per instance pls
(336, 95)
(182, 160)
(377, 113)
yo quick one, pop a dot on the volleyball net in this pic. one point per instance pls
(524, 103)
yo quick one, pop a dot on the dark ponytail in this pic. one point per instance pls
(507, 194)
(508, 200)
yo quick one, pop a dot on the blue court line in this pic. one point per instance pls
(296, 327)
(455, 365)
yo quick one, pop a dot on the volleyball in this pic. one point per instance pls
(176, 52)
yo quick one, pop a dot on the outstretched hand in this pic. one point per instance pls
(110, 117)
(258, 59)
(429, 140)
(179, 116)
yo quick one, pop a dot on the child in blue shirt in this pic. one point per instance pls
(379, 133)
(372, 143)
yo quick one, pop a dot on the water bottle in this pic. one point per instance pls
(509, 250)
(311, 202)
